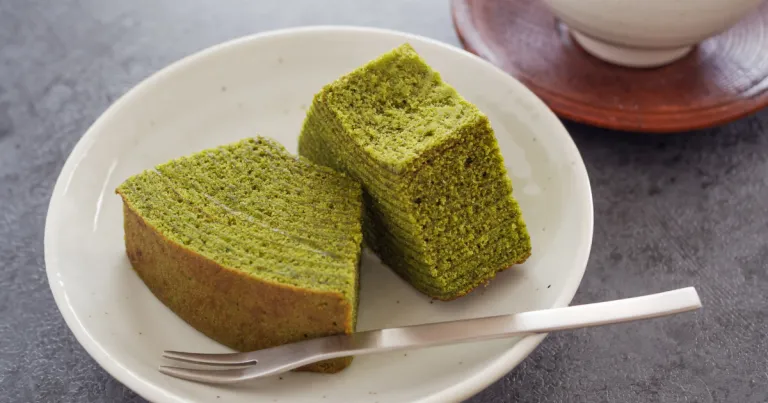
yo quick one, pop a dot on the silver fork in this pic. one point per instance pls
(238, 367)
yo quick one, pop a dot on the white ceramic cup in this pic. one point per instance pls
(647, 33)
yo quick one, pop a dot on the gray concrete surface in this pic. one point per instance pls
(670, 211)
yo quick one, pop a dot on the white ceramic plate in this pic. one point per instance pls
(263, 84)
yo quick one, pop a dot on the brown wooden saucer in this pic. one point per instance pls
(722, 79)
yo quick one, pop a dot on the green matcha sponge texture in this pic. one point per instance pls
(251, 245)
(438, 201)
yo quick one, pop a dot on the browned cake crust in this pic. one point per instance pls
(229, 306)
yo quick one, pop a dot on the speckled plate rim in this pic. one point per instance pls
(458, 392)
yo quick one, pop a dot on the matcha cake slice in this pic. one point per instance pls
(439, 204)
(250, 245)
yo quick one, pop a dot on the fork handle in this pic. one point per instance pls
(574, 317)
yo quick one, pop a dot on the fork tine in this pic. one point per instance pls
(212, 359)
(206, 375)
